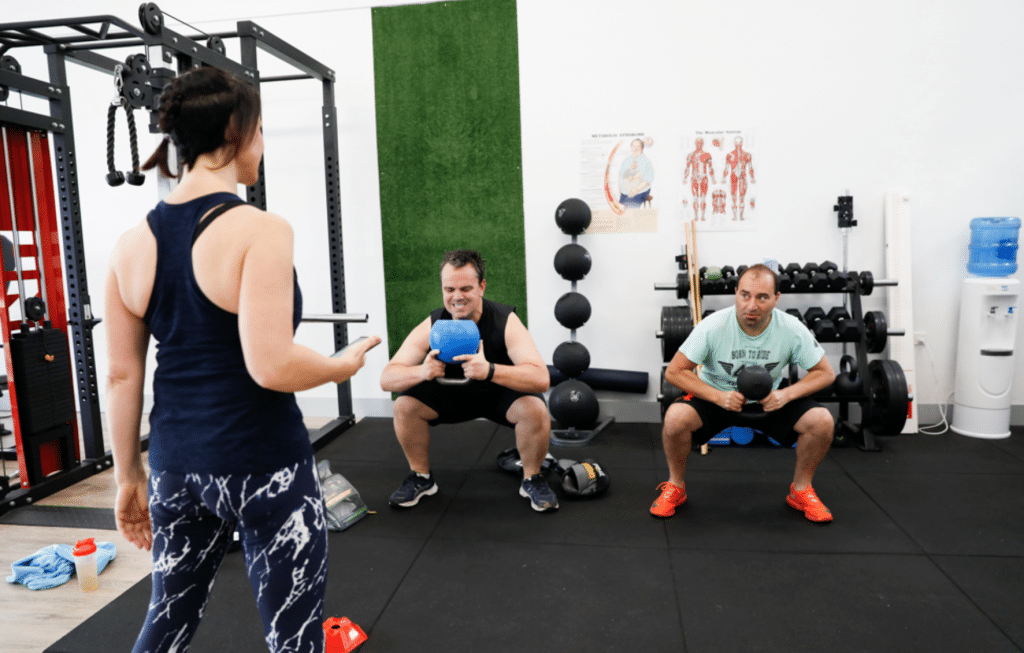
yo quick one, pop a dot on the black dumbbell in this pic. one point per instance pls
(822, 327)
(813, 314)
(707, 312)
(819, 281)
(785, 283)
(796, 313)
(719, 286)
(801, 281)
(838, 312)
(712, 286)
(837, 281)
(730, 278)
(810, 267)
(827, 266)
(847, 329)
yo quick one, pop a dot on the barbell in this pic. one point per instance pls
(336, 318)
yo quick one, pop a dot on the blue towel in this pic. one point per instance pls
(53, 565)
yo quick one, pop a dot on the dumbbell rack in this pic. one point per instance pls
(883, 394)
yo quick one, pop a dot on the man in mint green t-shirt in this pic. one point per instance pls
(706, 367)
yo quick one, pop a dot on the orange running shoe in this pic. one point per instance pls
(809, 503)
(671, 497)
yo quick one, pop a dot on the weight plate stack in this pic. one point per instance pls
(676, 325)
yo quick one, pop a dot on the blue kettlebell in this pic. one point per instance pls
(454, 338)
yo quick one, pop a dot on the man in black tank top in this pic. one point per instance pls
(507, 376)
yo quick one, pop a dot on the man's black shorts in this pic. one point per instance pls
(461, 403)
(776, 424)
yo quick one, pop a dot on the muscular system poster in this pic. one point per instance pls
(719, 180)
(619, 181)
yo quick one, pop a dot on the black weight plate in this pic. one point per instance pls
(682, 285)
(35, 308)
(674, 323)
(867, 283)
(876, 331)
(887, 410)
(669, 393)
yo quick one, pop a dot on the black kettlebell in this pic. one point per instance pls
(754, 382)
(847, 383)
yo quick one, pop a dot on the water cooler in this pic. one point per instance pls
(988, 331)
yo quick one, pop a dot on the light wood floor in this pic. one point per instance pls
(30, 621)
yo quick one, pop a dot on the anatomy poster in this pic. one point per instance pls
(619, 182)
(719, 180)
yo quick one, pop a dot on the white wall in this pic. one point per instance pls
(870, 97)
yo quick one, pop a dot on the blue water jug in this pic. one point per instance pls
(993, 248)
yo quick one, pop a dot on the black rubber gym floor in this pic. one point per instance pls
(926, 553)
(62, 516)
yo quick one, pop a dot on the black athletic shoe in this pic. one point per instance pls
(541, 497)
(414, 488)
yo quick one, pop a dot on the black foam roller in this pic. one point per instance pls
(601, 379)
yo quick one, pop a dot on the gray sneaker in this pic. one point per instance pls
(542, 498)
(414, 488)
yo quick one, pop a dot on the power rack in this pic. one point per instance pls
(80, 41)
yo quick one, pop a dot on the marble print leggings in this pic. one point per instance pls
(283, 532)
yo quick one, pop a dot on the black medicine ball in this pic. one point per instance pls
(572, 216)
(571, 359)
(572, 310)
(572, 261)
(574, 404)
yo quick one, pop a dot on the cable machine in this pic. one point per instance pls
(45, 332)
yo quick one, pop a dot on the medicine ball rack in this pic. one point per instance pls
(573, 402)
(139, 83)
(879, 387)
